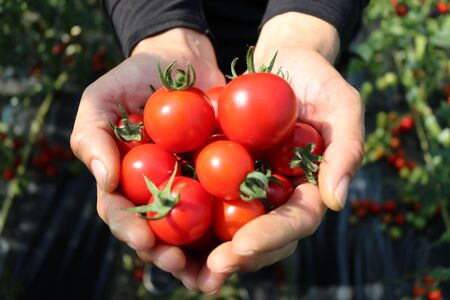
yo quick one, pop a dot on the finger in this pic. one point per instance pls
(92, 141)
(124, 225)
(189, 274)
(168, 258)
(343, 135)
(210, 282)
(224, 260)
(297, 218)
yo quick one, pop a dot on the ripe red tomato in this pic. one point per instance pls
(280, 190)
(442, 7)
(418, 291)
(189, 219)
(434, 295)
(257, 110)
(280, 155)
(149, 160)
(129, 132)
(212, 139)
(179, 120)
(222, 166)
(229, 216)
(406, 123)
(213, 96)
(401, 10)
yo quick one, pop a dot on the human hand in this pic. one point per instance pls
(334, 108)
(92, 140)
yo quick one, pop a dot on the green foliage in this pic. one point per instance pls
(405, 69)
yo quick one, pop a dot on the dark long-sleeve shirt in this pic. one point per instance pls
(232, 25)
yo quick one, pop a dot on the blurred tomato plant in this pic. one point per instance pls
(404, 64)
(49, 51)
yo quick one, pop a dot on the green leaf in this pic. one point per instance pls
(442, 37)
(440, 273)
(445, 237)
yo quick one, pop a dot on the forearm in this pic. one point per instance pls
(294, 29)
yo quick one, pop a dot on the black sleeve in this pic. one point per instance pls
(344, 15)
(135, 19)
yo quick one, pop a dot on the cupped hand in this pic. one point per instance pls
(92, 140)
(334, 108)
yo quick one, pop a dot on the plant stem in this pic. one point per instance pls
(14, 185)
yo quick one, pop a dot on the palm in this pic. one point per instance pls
(334, 108)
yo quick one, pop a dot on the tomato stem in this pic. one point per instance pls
(254, 186)
(184, 79)
(163, 200)
(128, 132)
(250, 60)
(305, 159)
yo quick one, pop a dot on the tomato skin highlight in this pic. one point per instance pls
(222, 166)
(281, 154)
(179, 121)
(257, 110)
(149, 160)
(279, 192)
(189, 219)
(230, 215)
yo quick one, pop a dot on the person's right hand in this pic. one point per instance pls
(93, 143)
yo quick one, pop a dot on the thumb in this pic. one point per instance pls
(344, 149)
(92, 142)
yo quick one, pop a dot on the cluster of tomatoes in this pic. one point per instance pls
(46, 158)
(401, 8)
(200, 165)
(427, 287)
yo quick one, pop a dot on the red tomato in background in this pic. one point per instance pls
(280, 155)
(149, 160)
(213, 96)
(179, 120)
(189, 219)
(222, 166)
(138, 136)
(279, 192)
(229, 216)
(257, 110)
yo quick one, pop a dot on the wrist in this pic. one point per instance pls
(298, 30)
(188, 43)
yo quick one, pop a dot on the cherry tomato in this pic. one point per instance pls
(434, 295)
(129, 132)
(441, 7)
(213, 138)
(401, 10)
(418, 291)
(222, 166)
(149, 160)
(229, 216)
(179, 120)
(213, 95)
(280, 155)
(257, 110)
(189, 219)
(280, 190)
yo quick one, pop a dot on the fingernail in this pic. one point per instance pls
(100, 172)
(341, 190)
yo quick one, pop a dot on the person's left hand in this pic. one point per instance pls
(334, 108)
